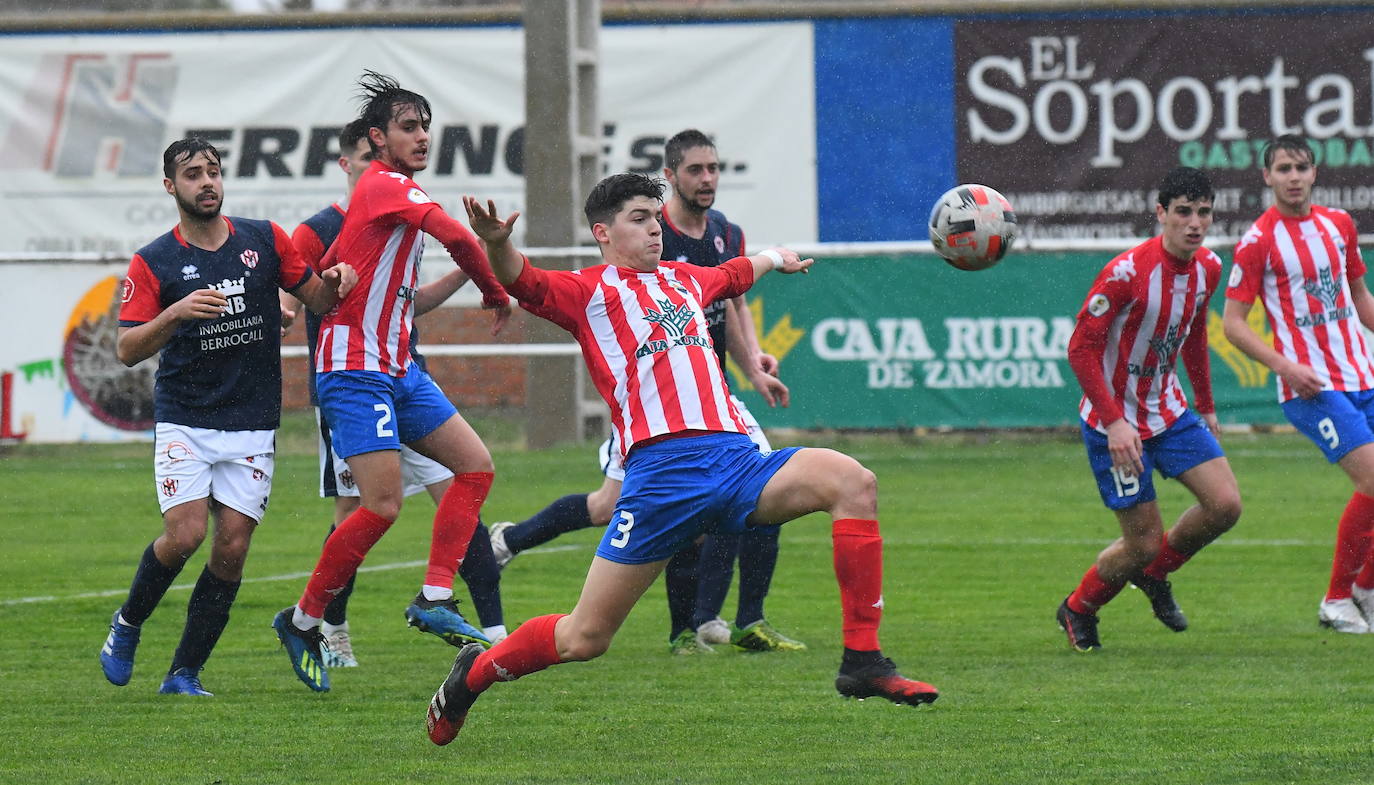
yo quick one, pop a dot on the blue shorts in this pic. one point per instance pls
(1185, 444)
(1335, 421)
(369, 411)
(677, 489)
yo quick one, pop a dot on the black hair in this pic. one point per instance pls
(677, 147)
(383, 98)
(1293, 143)
(350, 134)
(1187, 182)
(184, 150)
(613, 192)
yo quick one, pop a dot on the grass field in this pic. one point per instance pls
(984, 536)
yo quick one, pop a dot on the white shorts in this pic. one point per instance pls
(609, 455)
(232, 467)
(417, 471)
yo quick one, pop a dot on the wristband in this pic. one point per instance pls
(774, 256)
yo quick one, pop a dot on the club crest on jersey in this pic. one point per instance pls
(189, 273)
(720, 244)
(1324, 289)
(249, 258)
(1123, 270)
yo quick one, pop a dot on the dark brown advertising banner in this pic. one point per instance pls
(1076, 121)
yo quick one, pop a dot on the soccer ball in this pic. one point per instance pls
(972, 227)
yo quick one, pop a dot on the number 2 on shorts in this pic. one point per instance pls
(382, 430)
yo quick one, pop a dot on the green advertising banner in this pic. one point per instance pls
(906, 341)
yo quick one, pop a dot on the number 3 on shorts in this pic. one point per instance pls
(627, 523)
(385, 412)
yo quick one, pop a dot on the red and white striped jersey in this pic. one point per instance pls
(1302, 268)
(381, 239)
(1142, 310)
(645, 341)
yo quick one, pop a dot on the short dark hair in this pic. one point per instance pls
(1292, 143)
(350, 134)
(184, 150)
(613, 192)
(1187, 182)
(682, 141)
(383, 97)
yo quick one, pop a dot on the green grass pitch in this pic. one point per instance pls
(984, 536)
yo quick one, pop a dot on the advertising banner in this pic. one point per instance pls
(907, 341)
(84, 120)
(1076, 120)
(65, 383)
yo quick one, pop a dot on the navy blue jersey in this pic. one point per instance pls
(323, 228)
(222, 373)
(722, 242)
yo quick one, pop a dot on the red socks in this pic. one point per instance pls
(1092, 593)
(1352, 547)
(343, 551)
(859, 570)
(528, 649)
(1167, 560)
(454, 522)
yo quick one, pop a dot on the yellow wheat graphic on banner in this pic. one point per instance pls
(778, 340)
(1248, 372)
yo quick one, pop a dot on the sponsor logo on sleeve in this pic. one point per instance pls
(1098, 304)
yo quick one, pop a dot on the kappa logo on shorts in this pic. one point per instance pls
(259, 475)
(249, 258)
(169, 487)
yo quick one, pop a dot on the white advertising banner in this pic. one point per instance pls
(84, 120)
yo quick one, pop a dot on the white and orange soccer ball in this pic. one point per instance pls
(972, 226)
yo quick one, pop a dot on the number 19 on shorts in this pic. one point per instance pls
(1126, 485)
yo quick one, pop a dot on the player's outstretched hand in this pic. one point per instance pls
(341, 277)
(200, 304)
(791, 262)
(486, 224)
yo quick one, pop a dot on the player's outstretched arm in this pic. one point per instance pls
(784, 260)
(494, 231)
(138, 343)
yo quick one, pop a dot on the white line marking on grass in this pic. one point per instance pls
(290, 576)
